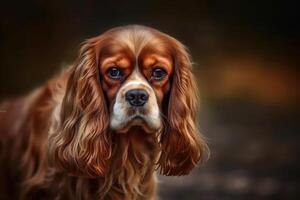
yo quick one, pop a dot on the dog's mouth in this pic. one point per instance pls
(137, 117)
(137, 121)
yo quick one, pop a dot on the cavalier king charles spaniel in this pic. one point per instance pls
(101, 128)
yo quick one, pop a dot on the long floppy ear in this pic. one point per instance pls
(79, 143)
(182, 144)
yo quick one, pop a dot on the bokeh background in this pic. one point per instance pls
(246, 56)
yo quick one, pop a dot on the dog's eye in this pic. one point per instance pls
(114, 73)
(158, 74)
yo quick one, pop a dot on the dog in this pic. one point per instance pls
(103, 126)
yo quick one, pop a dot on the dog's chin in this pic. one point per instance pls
(138, 123)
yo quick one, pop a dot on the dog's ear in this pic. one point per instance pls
(79, 143)
(182, 144)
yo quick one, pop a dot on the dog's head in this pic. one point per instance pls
(131, 77)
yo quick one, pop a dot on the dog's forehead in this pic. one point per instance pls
(136, 38)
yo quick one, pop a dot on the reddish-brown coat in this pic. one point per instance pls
(77, 156)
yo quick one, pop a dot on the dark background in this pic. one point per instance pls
(246, 56)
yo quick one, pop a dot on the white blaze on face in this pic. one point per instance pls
(135, 38)
(124, 115)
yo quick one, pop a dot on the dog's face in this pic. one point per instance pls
(135, 71)
(131, 78)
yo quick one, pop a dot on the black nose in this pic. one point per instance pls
(136, 97)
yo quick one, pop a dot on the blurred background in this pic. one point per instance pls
(246, 56)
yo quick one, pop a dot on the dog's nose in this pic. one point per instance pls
(137, 97)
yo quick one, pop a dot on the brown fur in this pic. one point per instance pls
(56, 142)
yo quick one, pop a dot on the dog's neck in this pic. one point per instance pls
(134, 159)
(131, 171)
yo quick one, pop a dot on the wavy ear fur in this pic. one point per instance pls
(79, 143)
(182, 145)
